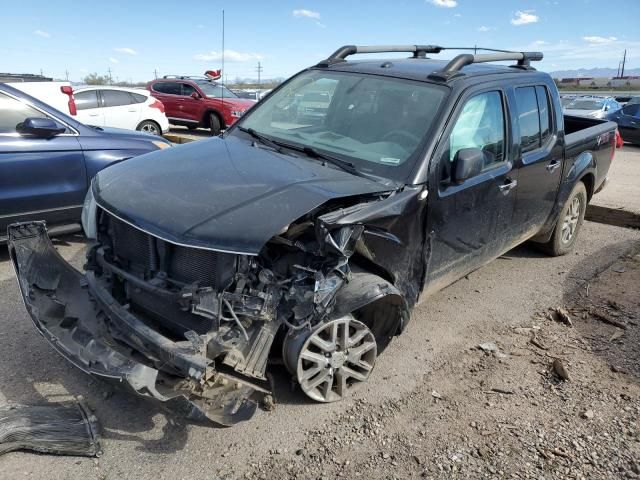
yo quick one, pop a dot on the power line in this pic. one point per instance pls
(259, 70)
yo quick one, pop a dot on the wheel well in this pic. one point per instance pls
(589, 183)
(149, 120)
(205, 120)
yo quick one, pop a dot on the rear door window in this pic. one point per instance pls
(138, 98)
(116, 98)
(528, 118)
(170, 88)
(544, 107)
(86, 100)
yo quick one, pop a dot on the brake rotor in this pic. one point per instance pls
(331, 359)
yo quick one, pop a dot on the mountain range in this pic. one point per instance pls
(594, 72)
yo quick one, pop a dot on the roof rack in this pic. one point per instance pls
(451, 69)
(188, 77)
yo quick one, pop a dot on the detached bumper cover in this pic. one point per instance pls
(86, 325)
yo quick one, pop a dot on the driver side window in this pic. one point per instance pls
(480, 125)
(13, 112)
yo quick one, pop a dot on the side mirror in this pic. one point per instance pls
(195, 96)
(467, 163)
(40, 127)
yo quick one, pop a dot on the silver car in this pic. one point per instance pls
(595, 107)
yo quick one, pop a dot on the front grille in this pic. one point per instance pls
(145, 256)
(144, 253)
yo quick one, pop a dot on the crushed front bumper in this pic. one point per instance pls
(88, 327)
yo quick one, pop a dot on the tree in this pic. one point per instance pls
(95, 79)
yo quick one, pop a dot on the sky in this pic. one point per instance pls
(133, 39)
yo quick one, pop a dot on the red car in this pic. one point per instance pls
(198, 102)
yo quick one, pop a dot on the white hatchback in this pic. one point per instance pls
(129, 108)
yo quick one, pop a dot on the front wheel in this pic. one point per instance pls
(569, 222)
(149, 126)
(214, 124)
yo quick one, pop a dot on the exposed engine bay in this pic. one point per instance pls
(195, 328)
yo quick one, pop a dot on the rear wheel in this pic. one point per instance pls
(214, 124)
(149, 126)
(569, 222)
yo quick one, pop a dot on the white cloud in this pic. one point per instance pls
(306, 13)
(524, 16)
(127, 50)
(42, 33)
(321, 25)
(229, 56)
(113, 60)
(457, 15)
(595, 40)
(484, 29)
(444, 3)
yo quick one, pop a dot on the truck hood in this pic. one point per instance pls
(221, 194)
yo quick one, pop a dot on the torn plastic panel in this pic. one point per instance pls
(58, 429)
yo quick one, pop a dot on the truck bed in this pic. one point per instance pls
(590, 136)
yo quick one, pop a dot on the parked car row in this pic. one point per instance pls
(626, 115)
(48, 158)
(180, 100)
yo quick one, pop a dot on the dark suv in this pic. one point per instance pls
(198, 102)
(311, 239)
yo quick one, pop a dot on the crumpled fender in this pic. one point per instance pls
(376, 302)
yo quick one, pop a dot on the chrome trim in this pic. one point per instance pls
(170, 241)
(182, 119)
(22, 100)
(47, 210)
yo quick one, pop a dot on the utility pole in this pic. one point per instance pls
(155, 73)
(624, 60)
(66, 74)
(41, 74)
(259, 70)
(110, 80)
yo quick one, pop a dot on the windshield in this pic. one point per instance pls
(586, 105)
(376, 123)
(213, 90)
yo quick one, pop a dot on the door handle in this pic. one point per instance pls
(507, 187)
(131, 110)
(555, 164)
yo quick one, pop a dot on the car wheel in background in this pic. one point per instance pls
(149, 126)
(214, 124)
(568, 224)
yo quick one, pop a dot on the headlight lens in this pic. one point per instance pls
(161, 145)
(89, 210)
(237, 113)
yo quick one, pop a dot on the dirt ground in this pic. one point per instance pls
(502, 409)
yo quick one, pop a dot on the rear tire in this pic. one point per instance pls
(214, 124)
(149, 126)
(569, 222)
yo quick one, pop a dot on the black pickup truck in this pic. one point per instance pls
(310, 237)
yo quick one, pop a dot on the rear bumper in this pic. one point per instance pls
(87, 326)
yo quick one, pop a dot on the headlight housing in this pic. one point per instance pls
(89, 211)
(237, 113)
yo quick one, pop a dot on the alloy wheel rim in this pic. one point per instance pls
(571, 219)
(335, 357)
(149, 128)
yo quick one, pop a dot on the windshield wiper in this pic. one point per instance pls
(261, 138)
(338, 162)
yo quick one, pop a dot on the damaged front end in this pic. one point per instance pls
(193, 328)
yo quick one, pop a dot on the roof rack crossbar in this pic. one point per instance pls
(458, 62)
(419, 51)
(189, 77)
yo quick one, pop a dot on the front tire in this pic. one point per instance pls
(214, 124)
(149, 126)
(568, 224)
